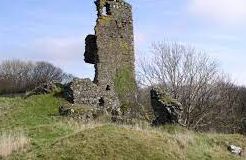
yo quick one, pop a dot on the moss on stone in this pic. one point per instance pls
(124, 46)
(125, 86)
(105, 20)
(168, 100)
(102, 3)
(124, 81)
(165, 98)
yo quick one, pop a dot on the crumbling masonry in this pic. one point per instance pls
(111, 50)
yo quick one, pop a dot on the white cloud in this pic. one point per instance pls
(65, 52)
(48, 48)
(225, 11)
(63, 49)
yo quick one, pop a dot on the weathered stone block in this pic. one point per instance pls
(166, 109)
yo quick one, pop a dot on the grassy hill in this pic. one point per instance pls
(33, 129)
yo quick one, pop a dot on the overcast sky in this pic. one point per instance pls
(54, 30)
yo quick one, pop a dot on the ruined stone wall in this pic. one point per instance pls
(111, 50)
(85, 92)
(115, 43)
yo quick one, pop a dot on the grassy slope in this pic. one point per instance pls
(54, 138)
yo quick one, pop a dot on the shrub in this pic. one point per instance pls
(19, 76)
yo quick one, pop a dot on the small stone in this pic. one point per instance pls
(235, 150)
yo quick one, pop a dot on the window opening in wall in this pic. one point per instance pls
(106, 10)
(101, 101)
(108, 88)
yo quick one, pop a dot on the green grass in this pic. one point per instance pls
(37, 116)
(29, 112)
(53, 137)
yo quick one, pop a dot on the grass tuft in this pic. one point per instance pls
(11, 142)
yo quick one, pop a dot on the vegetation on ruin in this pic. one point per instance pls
(105, 20)
(125, 85)
(125, 81)
(49, 136)
(168, 100)
(124, 46)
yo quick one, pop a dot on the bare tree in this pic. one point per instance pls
(15, 74)
(44, 72)
(230, 116)
(20, 76)
(188, 75)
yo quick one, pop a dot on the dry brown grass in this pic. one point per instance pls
(11, 142)
(183, 139)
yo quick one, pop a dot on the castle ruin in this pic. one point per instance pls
(111, 50)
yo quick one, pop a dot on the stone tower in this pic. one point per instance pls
(111, 50)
